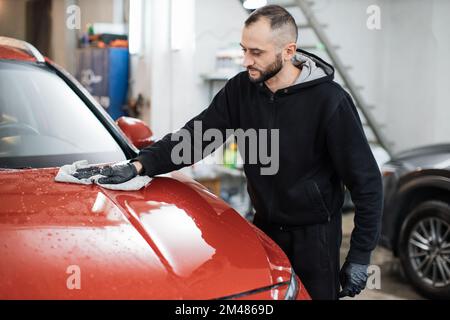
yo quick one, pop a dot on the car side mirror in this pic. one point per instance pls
(136, 131)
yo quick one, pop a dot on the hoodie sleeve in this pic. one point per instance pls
(221, 114)
(353, 159)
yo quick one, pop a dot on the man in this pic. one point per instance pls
(322, 147)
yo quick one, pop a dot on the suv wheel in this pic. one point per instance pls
(424, 248)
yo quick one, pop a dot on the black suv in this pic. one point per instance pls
(416, 219)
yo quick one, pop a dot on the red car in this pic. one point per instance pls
(171, 240)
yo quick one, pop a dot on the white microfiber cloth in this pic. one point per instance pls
(65, 174)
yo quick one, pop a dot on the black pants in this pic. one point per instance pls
(313, 251)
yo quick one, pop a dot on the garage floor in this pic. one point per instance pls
(393, 285)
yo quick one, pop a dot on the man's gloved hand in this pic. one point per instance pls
(115, 174)
(86, 173)
(353, 278)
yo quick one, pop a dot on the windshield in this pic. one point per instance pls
(43, 123)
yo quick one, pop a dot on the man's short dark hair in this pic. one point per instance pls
(278, 17)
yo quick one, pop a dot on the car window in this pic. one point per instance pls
(44, 123)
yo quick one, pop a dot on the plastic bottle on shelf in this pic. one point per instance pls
(230, 156)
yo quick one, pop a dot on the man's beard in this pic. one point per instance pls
(271, 70)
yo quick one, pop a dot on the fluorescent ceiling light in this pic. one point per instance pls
(254, 4)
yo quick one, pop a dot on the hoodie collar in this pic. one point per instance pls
(309, 69)
(316, 71)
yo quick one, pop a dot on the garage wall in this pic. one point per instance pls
(162, 74)
(64, 41)
(13, 24)
(12, 18)
(441, 33)
(214, 30)
(177, 91)
(403, 67)
(96, 11)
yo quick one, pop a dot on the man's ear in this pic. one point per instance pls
(289, 51)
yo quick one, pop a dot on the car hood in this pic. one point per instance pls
(170, 240)
(427, 157)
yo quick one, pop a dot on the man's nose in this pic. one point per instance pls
(247, 62)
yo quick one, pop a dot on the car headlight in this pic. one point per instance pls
(292, 291)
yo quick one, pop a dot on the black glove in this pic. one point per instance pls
(115, 174)
(86, 173)
(353, 278)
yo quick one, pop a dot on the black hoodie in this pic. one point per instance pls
(322, 147)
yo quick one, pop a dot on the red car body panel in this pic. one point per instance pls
(170, 240)
(10, 53)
